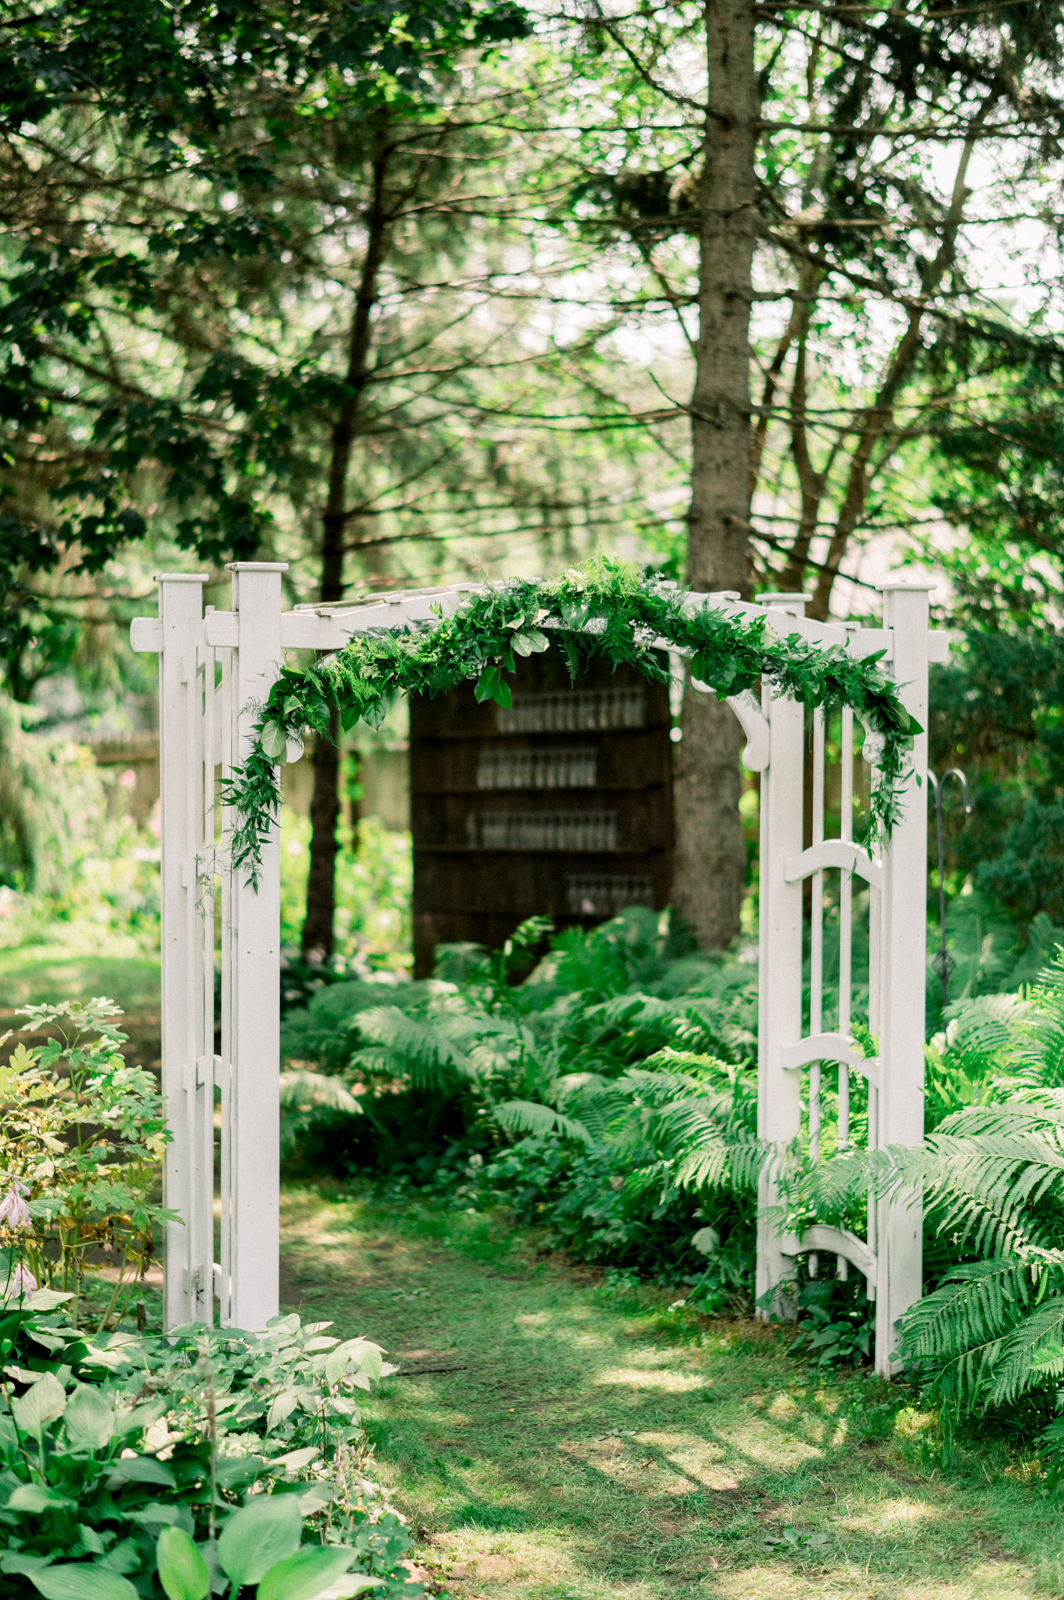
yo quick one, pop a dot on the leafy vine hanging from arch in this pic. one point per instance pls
(606, 608)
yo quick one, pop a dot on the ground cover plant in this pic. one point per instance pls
(210, 1459)
(132, 1463)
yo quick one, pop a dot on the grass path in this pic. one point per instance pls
(570, 1448)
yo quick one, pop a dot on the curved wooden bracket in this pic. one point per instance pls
(833, 1241)
(834, 853)
(753, 722)
(829, 1047)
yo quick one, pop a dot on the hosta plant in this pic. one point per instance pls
(260, 1549)
(290, 1389)
(123, 1474)
(260, 1545)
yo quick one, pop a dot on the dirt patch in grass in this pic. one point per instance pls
(548, 1443)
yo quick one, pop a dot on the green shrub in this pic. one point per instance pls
(81, 1135)
(72, 863)
(582, 1201)
(133, 1464)
(837, 1325)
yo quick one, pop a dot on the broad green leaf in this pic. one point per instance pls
(39, 1405)
(295, 1460)
(284, 1325)
(123, 1557)
(336, 1365)
(484, 688)
(345, 1406)
(103, 1358)
(362, 1352)
(281, 1407)
(274, 740)
(47, 1299)
(155, 1516)
(80, 1581)
(35, 1498)
(305, 1574)
(258, 1536)
(140, 1469)
(315, 1497)
(353, 1583)
(13, 1562)
(236, 1472)
(706, 1241)
(530, 642)
(47, 1340)
(139, 1417)
(88, 1420)
(183, 1572)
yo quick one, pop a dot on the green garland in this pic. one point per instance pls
(626, 612)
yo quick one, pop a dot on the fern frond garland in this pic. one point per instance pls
(605, 609)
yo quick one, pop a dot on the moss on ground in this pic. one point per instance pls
(551, 1440)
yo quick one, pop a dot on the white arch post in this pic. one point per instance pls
(814, 1043)
(215, 670)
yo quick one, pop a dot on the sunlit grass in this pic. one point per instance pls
(47, 974)
(574, 1449)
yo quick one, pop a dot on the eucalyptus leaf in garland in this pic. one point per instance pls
(605, 609)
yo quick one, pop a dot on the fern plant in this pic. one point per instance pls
(614, 1073)
(599, 1002)
(663, 1161)
(990, 1333)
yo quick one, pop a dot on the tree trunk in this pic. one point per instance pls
(324, 815)
(710, 860)
(325, 805)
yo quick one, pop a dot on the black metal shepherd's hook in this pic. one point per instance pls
(944, 963)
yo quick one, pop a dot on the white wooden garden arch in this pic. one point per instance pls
(216, 668)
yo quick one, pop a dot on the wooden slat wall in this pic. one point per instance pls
(479, 865)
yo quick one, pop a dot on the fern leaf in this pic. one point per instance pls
(529, 1117)
(417, 1048)
(307, 1091)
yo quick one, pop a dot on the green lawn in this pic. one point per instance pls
(578, 1449)
(44, 974)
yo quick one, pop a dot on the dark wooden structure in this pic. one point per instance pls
(561, 804)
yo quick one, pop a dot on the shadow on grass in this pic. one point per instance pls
(588, 1450)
